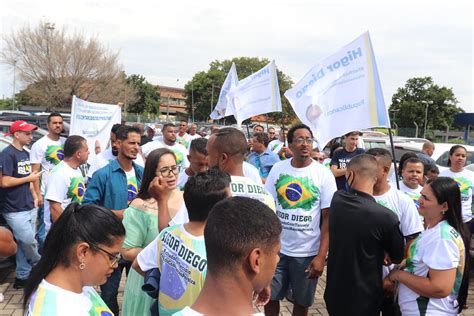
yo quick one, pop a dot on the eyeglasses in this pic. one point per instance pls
(301, 140)
(167, 171)
(113, 259)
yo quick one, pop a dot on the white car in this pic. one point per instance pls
(440, 154)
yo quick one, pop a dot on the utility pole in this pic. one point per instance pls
(192, 99)
(14, 77)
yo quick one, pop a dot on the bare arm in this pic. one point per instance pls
(160, 192)
(316, 267)
(136, 266)
(36, 167)
(7, 244)
(130, 254)
(9, 182)
(118, 213)
(438, 284)
(55, 209)
(337, 172)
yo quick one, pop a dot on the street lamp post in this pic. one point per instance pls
(168, 109)
(212, 97)
(14, 77)
(192, 99)
(426, 115)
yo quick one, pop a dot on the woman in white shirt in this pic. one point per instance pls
(81, 251)
(436, 276)
(464, 178)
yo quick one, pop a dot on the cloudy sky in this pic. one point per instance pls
(167, 41)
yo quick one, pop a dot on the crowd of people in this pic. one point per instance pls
(219, 224)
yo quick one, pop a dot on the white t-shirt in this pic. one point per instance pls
(51, 300)
(184, 140)
(413, 194)
(181, 259)
(179, 150)
(275, 145)
(132, 185)
(105, 157)
(439, 248)
(251, 172)
(300, 194)
(465, 180)
(182, 179)
(187, 311)
(48, 153)
(243, 186)
(181, 217)
(65, 185)
(410, 220)
(193, 137)
(402, 205)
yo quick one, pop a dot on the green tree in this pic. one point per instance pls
(148, 98)
(410, 103)
(203, 90)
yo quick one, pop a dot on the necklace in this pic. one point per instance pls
(150, 206)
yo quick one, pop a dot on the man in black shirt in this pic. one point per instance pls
(360, 232)
(341, 158)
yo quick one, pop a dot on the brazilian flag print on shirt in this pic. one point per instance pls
(132, 188)
(296, 192)
(76, 190)
(54, 154)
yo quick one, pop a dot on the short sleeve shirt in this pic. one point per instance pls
(413, 194)
(340, 159)
(439, 248)
(465, 181)
(48, 153)
(51, 300)
(243, 186)
(65, 185)
(403, 207)
(300, 194)
(16, 164)
(182, 261)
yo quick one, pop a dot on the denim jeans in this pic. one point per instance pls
(109, 290)
(23, 225)
(41, 228)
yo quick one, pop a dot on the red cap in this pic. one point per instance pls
(21, 126)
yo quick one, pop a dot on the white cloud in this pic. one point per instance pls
(167, 40)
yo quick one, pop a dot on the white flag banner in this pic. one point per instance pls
(93, 121)
(342, 93)
(221, 109)
(257, 94)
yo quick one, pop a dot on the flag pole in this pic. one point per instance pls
(393, 158)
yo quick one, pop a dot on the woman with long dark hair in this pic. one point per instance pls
(464, 178)
(145, 216)
(80, 251)
(435, 279)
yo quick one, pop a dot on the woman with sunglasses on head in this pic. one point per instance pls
(80, 251)
(148, 214)
(436, 277)
(464, 178)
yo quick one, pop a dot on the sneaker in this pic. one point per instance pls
(19, 283)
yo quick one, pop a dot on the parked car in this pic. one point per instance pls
(5, 141)
(5, 127)
(440, 154)
(38, 120)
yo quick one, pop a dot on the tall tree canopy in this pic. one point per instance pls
(200, 89)
(148, 98)
(56, 65)
(409, 104)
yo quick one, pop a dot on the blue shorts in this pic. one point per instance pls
(290, 274)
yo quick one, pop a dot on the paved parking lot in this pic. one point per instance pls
(12, 303)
